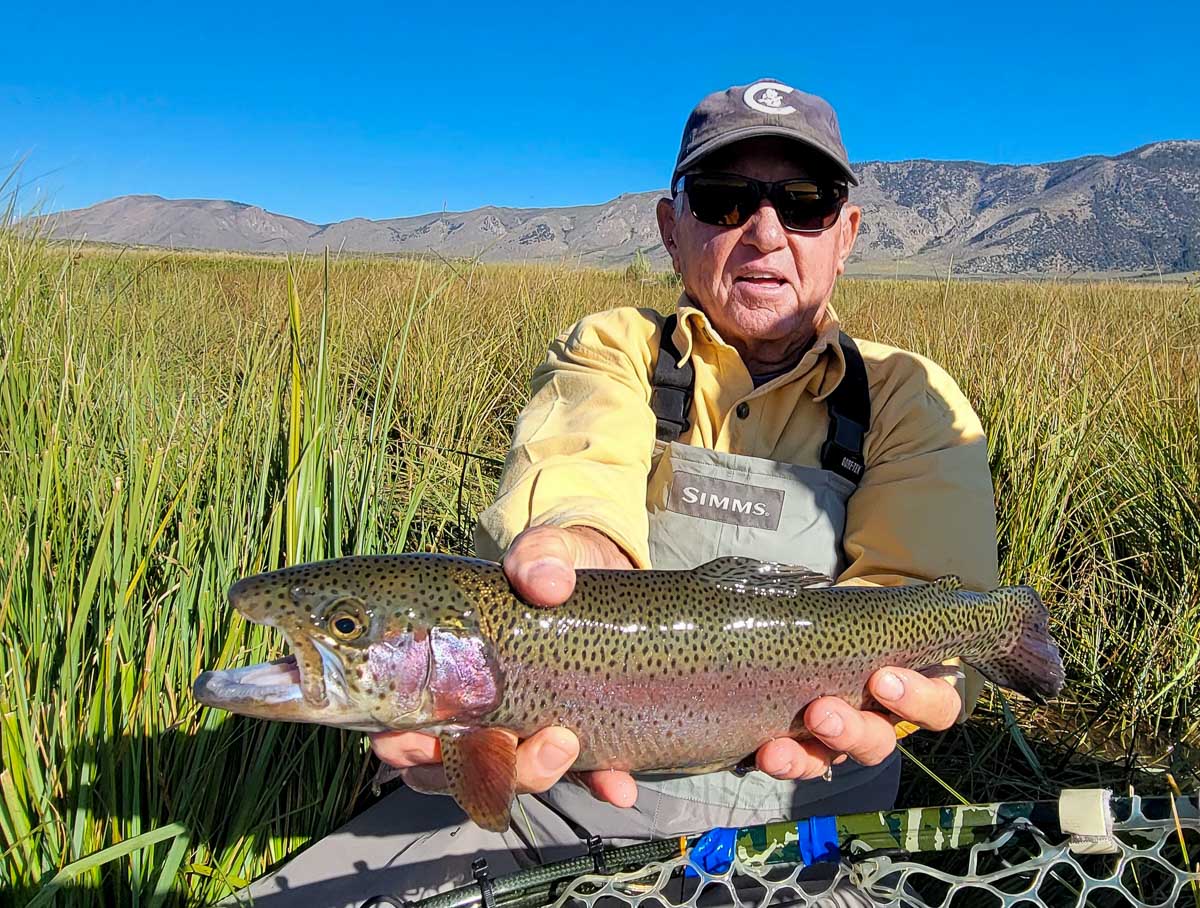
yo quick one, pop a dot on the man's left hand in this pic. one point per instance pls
(869, 737)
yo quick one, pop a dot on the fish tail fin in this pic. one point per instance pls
(1027, 660)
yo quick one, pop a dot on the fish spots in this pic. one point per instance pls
(713, 659)
(596, 667)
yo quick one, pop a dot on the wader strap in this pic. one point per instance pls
(849, 404)
(672, 384)
(849, 417)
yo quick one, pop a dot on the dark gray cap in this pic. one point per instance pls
(767, 107)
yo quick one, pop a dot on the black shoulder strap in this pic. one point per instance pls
(672, 384)
(849, 405)
(849, 417)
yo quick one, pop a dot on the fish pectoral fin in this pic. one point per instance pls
(481, 772)
(760, 576)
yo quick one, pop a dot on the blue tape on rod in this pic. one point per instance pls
(713, 851)
(818, 840)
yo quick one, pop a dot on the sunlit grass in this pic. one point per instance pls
(171, 422)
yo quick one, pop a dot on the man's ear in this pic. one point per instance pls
(847, 233)
(666, 229)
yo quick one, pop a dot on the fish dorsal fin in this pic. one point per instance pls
(949, 583)
(746, 575)
(481, 773)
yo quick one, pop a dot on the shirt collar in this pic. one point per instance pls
(823, 364)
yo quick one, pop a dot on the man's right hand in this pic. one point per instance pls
(541, 565)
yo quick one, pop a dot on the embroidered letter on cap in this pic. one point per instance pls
(734, 503)
(768, 97)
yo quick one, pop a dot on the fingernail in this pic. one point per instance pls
(889, 687)
(553, 758)
(543, 572)
(830, 726)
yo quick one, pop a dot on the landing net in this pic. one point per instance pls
(1086, 849)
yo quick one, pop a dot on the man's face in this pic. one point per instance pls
(758, 282)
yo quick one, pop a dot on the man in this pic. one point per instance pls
(858, 460)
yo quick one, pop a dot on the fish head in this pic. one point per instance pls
(368, 651)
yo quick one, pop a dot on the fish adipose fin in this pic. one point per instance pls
(1032, 665)
(765, 577)
(481, 772)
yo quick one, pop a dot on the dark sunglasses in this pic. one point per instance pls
(726, 200)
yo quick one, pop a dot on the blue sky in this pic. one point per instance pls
(381, 110)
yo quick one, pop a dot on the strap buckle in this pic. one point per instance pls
(595, 847)
(670, 407)
(479, 870)
(842, 452)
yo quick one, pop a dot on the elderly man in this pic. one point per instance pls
(859, 460)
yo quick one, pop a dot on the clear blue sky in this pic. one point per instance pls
(379, 110)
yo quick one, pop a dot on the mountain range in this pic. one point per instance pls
(1133, 213)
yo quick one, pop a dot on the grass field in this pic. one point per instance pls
(171, 422)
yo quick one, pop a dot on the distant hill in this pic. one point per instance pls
(1137, 212)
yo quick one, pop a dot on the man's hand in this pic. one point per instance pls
(541, 565)
(541, 562)
(869, 737)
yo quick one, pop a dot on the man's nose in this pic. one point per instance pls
(764, 231)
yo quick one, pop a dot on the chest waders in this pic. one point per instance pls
(701, 504)
(706, 504)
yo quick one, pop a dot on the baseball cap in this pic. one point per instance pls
(766, 107)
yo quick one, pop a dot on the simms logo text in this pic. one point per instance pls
(693, 495)
(728, 502)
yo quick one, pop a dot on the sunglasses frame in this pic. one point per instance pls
(766, 189)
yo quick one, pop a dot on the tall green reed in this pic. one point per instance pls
(131, 500)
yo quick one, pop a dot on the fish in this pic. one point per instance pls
(655, 671)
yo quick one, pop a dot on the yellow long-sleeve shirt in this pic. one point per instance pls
(582, 447)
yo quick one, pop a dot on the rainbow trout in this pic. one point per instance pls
(673, 671)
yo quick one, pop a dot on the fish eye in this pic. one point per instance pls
(347, 620)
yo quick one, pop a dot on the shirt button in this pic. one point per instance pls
(743, 410)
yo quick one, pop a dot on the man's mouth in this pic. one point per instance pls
(761, 279)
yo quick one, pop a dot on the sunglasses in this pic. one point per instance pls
(727, 200)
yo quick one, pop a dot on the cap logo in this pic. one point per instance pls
(768, 98)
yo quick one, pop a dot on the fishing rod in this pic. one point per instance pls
(1088, 819)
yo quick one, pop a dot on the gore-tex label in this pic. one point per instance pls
(729, 502)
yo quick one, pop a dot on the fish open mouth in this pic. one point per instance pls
(280, 690)
(266, 683)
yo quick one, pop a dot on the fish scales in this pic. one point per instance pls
(645, 688)
(666, 671)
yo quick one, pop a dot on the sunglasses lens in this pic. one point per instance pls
(726, 200)
(721, 201)
(806, 205)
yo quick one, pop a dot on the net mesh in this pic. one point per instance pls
(1154, 862)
